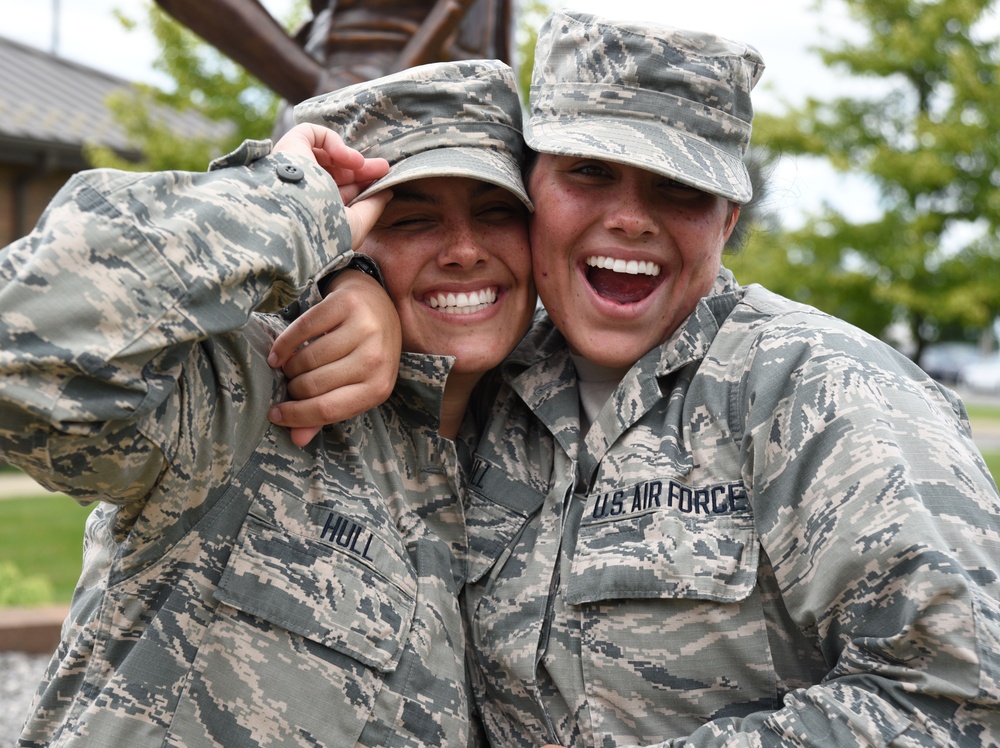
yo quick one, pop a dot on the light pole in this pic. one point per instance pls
(55, 27)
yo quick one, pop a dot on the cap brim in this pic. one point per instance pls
(650, 146)
(474, 163)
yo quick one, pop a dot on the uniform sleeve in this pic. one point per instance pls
(124, 276)
(880, 520)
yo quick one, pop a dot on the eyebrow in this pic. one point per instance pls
(404, 193)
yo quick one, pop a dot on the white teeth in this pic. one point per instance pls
(631, 267)
(462, 303)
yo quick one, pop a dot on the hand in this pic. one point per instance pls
(341, 356)
(349, 168)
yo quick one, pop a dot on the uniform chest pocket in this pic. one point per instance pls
(658, 554)
(315, 607)
(327, 575)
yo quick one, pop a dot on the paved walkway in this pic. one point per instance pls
(17, 485)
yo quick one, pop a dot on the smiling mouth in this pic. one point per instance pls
(462, 303)
(622, 281)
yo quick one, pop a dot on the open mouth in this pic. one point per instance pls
(462, 303)
(622, 281)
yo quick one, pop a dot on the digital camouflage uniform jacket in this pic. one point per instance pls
(237, 590)
(777, 532)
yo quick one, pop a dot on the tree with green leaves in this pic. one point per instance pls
(926, 139)
(530, 14)
(204, 81)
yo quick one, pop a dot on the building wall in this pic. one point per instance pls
(25, 191)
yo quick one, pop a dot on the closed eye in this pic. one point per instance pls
(500, 212)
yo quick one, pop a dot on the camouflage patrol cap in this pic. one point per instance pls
(671, 101)
(448, 119)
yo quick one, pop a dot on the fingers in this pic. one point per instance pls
(350, 362)
(338, 375)
(302, 436)
(324, 146)
(363, 215)
(316, 321)
(334, 362)
(332, 407)
(372, 169)
(351, 171)
(324, 364)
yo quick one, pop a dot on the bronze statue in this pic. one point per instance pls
(347, 41)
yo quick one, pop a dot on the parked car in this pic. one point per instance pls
(982, 375)
(944, 361)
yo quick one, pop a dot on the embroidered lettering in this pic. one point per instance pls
(725, 498)
(348, 535)
(479, 469)
(333, 529)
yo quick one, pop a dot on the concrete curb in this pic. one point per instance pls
(31, 630)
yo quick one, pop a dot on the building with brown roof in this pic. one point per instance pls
(50, 107)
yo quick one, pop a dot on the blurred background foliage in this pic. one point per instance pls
(925, 138)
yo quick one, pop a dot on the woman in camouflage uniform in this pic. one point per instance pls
(239, 590)
(703, 514)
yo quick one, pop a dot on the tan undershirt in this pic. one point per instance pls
(596, 385)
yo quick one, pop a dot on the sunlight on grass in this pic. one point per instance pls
(42, 536)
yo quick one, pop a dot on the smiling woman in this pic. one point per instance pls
(592, 212)
(455, 256)
(335, 560)
(672, 457)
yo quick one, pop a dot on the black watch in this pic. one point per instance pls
(358, 261)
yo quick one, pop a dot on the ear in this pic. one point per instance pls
(734, 216)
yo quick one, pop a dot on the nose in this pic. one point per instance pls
(462, 248)
(631, 211)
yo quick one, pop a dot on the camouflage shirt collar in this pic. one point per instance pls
(690, 341)
(420, 384)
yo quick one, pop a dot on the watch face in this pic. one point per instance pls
(368, 266)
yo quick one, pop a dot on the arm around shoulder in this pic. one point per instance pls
(126, 273)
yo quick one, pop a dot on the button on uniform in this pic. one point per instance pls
(290, 173)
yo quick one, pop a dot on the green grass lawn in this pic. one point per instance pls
(42, 536)
(987, 417)
(983, 414)
(993, 463)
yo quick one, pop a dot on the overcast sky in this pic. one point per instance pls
(783, 31)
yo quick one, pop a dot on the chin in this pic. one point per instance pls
(612, 353)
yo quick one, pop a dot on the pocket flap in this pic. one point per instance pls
(496, 509)
(659, 555)
(350, 591)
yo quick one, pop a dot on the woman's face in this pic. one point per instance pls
(454, 253)
(621, 255)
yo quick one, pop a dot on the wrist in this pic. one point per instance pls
(360, 262)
